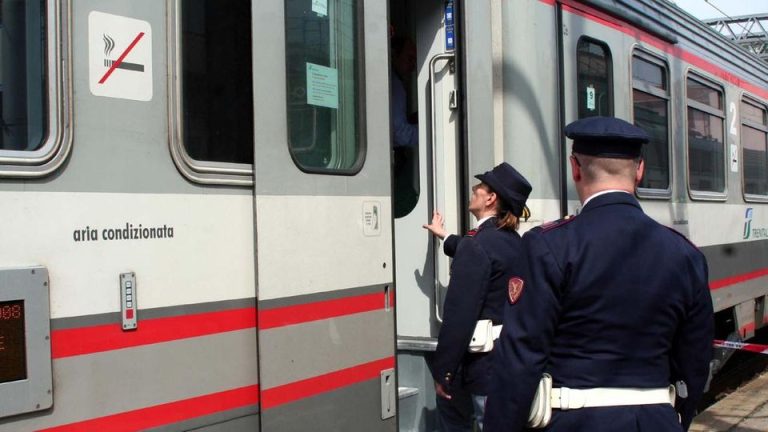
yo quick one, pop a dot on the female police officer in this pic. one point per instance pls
(484, 264)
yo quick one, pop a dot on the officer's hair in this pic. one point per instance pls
(505, 219)
(597, 168)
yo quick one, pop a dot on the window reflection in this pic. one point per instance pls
(594, 79)
(23, 116)
(323, 64)
(651, 115)
(650, 99)
(706, 153)
(217, 93)
(701, 93)
(754, 143)
(649, 73)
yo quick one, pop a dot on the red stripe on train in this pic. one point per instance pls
(107, 337)
(733, 280)
(167, 413)
(297, 314)
(606, 20)
(294, 391)
(177, 411)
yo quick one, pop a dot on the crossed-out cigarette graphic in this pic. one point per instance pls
(109, 45)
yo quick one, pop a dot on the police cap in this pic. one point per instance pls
(608, 137)
(508, 184)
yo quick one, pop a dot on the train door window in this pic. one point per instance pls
(706, 143)
(754, 144)
(216, 90)
(324, 80)
(650, 102)
(31, 110)
(594, 76)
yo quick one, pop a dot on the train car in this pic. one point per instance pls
(525, 69)
(206, 226)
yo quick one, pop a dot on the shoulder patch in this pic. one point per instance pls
(558, 223)
(515, 289)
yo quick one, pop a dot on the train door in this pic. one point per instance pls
(426, 172)
(453, 106)
(322, 213)
(587, 72)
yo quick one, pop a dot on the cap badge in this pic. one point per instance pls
(514, 289)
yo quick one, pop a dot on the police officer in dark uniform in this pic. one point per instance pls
(483, 264)
(615, 307)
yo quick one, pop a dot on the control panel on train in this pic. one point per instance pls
(25, 341)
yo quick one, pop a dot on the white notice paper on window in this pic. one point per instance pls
(591, 97)
(320, 7)
(322, 86)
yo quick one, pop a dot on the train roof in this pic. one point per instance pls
(672, 24)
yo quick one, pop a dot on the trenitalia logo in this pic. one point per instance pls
(747, 223)
(753, 233)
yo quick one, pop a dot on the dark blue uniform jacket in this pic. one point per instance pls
(481, 268)
(613, 299)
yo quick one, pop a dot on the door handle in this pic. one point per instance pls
(450, 58)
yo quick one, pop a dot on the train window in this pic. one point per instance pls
(594, 71)
(650, 101)
(35, 123)
(706, 143)
(324, 77)
(217, 96)
(754, 144)
(23, 82)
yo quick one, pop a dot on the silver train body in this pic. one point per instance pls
(201, 228)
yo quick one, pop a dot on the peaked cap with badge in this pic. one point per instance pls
(607, 137)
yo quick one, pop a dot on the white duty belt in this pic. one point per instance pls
(483, 336)
(565, 398)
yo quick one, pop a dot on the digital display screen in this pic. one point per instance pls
(13, 352)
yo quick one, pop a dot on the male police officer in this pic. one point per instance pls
(484, 264)
(616, 307)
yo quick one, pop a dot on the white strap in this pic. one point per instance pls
(567, 398)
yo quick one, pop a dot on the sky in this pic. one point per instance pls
(703, 9)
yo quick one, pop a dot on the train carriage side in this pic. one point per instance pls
(704, 100)
(527, 68)
(196, 229)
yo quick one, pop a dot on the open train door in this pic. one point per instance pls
(451, 91)
(322, 213)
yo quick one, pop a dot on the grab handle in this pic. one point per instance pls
(450, 57)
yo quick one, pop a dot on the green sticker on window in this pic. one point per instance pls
(322, 86)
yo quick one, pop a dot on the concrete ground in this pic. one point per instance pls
(745, 410)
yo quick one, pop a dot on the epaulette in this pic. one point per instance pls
(682, 235)
(557, 223)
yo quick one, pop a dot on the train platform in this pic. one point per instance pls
(744, 410)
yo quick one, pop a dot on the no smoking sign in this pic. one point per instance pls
(120, 57)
